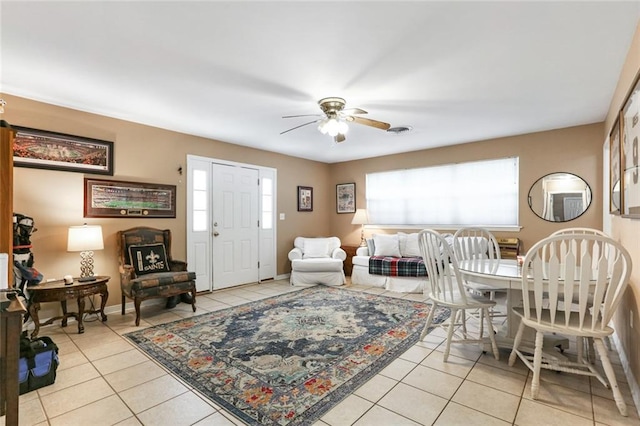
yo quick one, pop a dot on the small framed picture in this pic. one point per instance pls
(346, 198)
(305, 199)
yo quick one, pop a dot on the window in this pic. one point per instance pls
(267, 203)
(200, 201)
(482, 193)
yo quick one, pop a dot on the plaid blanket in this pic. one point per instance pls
(397, 266)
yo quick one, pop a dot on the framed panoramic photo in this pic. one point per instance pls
(630, 130)
(41, 149)
(305, 199)
(346, 198)
(111, 198)
(614, 169)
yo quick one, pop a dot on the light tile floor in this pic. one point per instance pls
(104, 380)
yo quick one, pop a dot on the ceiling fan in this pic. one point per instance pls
(335, 119)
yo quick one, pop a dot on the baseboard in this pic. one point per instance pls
(633, 385)
(283, 277)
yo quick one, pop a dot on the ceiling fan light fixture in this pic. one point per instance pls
(333, 126)
(337, 119)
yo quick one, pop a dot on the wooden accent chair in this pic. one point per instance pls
(147, 270)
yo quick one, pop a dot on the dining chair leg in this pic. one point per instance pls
(580, 348)
(483, 315)
(611, 376)
(452, 325)
(492, 336)
(537, 364)
(463, 321)
(591, 350)
(516, 344)
(425, 330)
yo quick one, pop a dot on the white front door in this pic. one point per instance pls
(235, 226)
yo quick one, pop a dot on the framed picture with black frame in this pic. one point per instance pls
(305, 199)
(346, 198)
(41, 149)
(629, 157)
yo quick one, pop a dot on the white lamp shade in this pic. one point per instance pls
(85, 238)
(360, 218)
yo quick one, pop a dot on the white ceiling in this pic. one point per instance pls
(456, 71)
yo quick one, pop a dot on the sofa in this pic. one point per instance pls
(317, 261)
(392, 262)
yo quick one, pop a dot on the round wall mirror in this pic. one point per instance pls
(559, 197)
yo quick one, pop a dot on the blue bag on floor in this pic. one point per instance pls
(38, 363)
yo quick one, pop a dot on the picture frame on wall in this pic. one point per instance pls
(41, 149)
(305, 199)
(629, 159)
(615, 169)
(111, 198)
(346, 198)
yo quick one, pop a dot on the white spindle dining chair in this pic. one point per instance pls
(561, 267)
(480, 249)
(586, 231)
(447, 290)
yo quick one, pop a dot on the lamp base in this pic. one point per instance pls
(363, 243)
(86, 266)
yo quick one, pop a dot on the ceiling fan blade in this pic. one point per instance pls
(297, 127)
(350, 111)
(339, 138)
(303, 115)
(369, 122)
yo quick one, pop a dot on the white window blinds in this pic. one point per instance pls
(482, 193)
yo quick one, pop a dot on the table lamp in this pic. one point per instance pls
(361, 218)
(85, 239)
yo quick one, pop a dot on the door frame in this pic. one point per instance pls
(204, 270)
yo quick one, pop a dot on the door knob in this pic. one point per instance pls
(216, 233)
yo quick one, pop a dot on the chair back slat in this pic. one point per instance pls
(442, 268)
(553, 286)
(477, 246)
(579, 275)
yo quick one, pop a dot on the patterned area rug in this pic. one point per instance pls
(287, 360)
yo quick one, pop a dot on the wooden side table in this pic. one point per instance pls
(58, 291)
(348, 263)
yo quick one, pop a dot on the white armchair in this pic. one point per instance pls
(317, 261)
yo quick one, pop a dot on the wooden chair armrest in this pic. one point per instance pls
(126, 273)
(177, 266)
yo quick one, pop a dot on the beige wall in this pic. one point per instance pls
(627, 231)
(55, 198)
(576, 150)
(145, 154)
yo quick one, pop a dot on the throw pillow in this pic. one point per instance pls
(386, 245)
(149, 258)
(409, 246)
(315, 247)
(370, 246)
